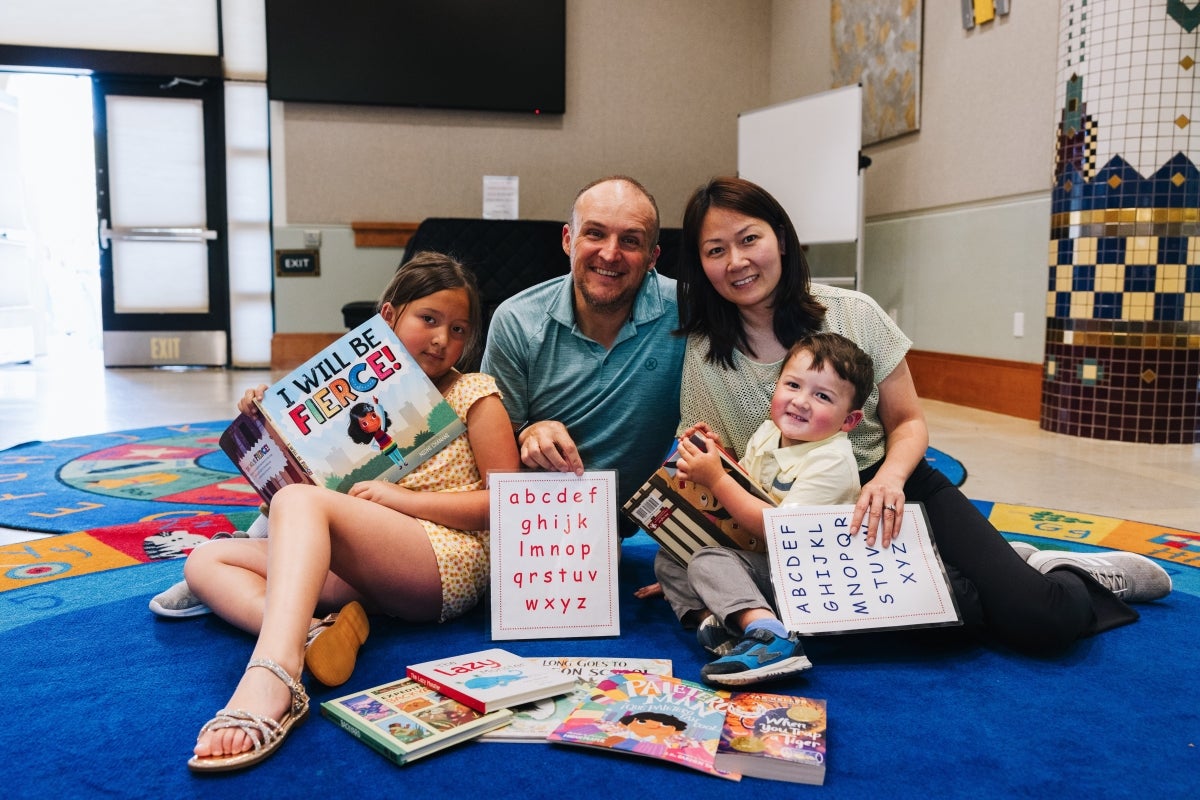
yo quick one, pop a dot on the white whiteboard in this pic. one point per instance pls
(805, 153)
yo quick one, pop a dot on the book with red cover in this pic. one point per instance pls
(491, 679)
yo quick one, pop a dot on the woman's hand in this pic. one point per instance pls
(881, 501)
(246, 403)
(881, 506)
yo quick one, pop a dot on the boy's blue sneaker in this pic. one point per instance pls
(759, 656)
(714, 638)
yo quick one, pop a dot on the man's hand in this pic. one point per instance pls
(547, 445)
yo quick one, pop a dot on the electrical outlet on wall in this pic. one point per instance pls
(1018, 324)
(312, 238)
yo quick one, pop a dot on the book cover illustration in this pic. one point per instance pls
(554, 552)
(781, 737)
(404, 720)
(491, 679)
(533, 722)
(828, 580)
(683, 516)
(361, 409)
(655, 716)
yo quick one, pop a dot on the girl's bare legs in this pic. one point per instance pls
(386, 555)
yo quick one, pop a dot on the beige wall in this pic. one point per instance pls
(957, 213)
(653, 90)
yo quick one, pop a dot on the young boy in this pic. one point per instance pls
(801, 456)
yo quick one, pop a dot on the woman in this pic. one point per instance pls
(745, 298)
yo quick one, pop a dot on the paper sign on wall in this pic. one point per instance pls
(554, 554)
(827, 580)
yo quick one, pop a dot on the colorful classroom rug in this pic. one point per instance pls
(152, 494)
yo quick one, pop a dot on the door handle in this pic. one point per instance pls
(134, 234)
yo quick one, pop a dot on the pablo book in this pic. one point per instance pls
(491, 679)
(655, 716)
(404, 720)
(533, 722)
(361, 409)
(683, 516)
(774, 736)
(828, 580)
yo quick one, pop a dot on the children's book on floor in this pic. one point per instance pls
(827, 579)
(489, 679)
(533, 722)
(655, 716)
(776, 736)
(360, 409)
(404, 720)
(683, 516)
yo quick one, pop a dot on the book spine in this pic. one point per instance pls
(365, 737)
(448, 691)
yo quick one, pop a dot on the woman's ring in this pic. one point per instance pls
(889, 508)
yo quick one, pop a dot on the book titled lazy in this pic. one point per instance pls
(360, 409)
(403, 720)
(490, 679)
(827, 579)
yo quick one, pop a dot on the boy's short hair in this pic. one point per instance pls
(847, 359)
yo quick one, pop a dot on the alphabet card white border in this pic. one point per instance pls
(554, 554)
(827, 580)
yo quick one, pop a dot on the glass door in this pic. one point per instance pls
(160, 185)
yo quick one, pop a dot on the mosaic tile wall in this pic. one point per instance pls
(1123, 300)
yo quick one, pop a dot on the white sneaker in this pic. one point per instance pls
(1133, 578)
(1024, 549)
(178, 602)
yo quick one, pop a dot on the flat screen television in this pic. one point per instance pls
(484, 55)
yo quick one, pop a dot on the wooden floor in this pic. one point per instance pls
(1007, 459)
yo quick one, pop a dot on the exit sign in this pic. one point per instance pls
(297, 262)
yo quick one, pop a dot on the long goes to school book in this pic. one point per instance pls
(776, 736)
(827, 579)
(655, 716)
(533, 722)
(683, 516)
(489, 679)
(361, 409)
(403, 720)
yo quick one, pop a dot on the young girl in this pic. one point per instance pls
(417, 550)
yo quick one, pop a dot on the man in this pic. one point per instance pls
(586, 363)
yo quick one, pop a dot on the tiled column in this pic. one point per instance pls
(1123, 306)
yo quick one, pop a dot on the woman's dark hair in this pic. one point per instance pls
(703, 311)
(430, 272)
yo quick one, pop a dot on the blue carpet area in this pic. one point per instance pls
(103, 699)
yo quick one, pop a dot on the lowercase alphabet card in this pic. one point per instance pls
(554, 548)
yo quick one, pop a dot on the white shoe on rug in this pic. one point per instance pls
(178, 602)
(1132, 578)
(1024, 549)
